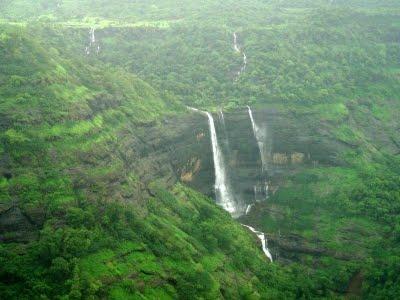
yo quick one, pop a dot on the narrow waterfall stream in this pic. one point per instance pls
(238, 50)
(222, 190)
(235, 43)
(263, 240)
(225, 135)
(260, 139)
(259, 136)
(221, 116)
(92, 43)
(248, 208)
(92, 36)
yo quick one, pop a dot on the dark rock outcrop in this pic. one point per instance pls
(16, 225)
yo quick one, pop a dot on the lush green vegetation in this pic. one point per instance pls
(343, 224)
(177, 245)
(92, 227)
(62, 125)
(297, 56)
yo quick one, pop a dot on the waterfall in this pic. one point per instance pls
(263, 240)
(235, 44)
(224, 196)
(92, 36)
(260, 139)
(222, 190)
(261, 191)
(244, 63)
(255, 193)
(261, 147)
(221, 117)
(238, 50)
(248, 208)
(92, 43)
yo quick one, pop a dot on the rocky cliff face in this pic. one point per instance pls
(175, 149)
(179, 149)
(289, 145)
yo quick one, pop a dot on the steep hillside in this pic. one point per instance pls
(79, 217)
(61, 117)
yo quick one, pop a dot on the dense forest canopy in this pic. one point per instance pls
(89, 204)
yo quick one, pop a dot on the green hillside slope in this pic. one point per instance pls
(90, 206)
(72, 223)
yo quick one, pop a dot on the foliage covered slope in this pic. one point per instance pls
(66, 119)
(295, 57)
(85, 232)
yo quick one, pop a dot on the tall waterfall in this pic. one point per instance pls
(224, 196)
(222, 190)
(260, 140)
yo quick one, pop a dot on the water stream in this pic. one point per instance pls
(222, 189)
(221, 117)
(248, 208)
(263, 240)
(235, 43)
(238, 50)
(258, 134)
(92, 43)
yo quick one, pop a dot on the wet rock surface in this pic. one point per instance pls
(290, 144)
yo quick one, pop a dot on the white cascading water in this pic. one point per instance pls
(222, 118)
(222, 190)
(248, 208)
(263, 240)
(235, 44)
(244, 63)
(92, 42)
(238, 50)
(261, 146)
(259, 138)
(221, 186)
(92, 36)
